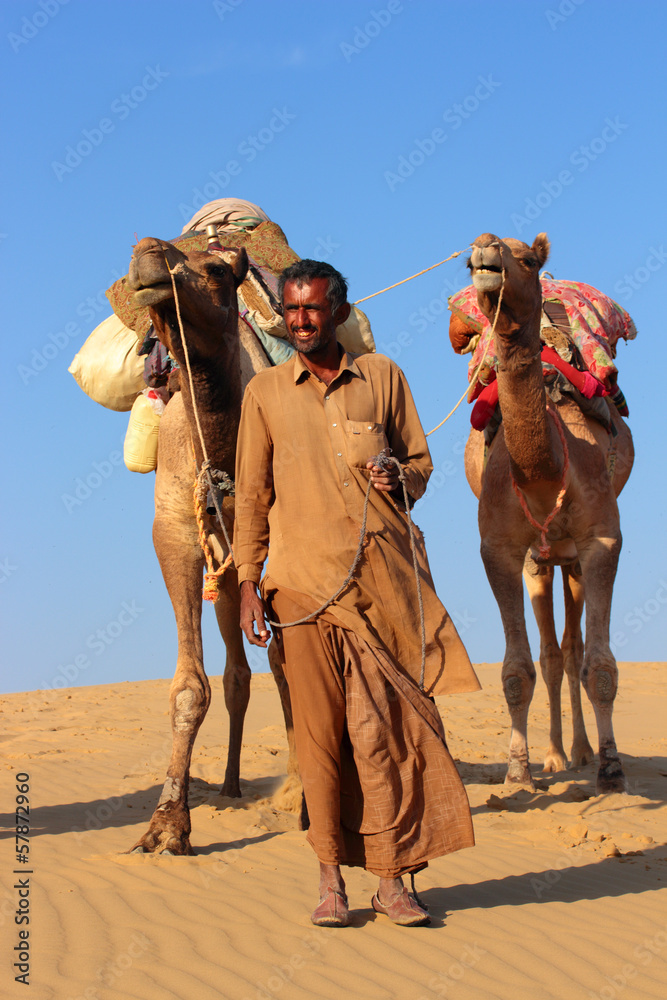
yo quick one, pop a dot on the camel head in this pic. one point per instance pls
(206, 286)
(522, 294)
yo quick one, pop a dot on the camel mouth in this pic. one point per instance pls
(487, 279)
(153, 295)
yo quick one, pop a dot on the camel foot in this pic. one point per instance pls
(581, 754)
(519, 776)
(168, 833)
(555, 760)
(610, 777)
(231, 788)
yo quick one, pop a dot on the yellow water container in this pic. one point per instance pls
(140, 448)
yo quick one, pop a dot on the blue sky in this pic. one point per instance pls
(382, 136)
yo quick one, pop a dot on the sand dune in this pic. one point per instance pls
(563, 896)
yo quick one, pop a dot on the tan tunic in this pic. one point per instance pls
(301, 479)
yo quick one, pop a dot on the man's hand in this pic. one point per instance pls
(385, 480)
(253, 611)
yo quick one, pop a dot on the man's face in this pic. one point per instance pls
(310, 324)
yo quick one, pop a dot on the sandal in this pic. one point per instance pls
(403, 909)
(331, 910)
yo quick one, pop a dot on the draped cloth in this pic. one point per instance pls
(229, 214)
(381, 788)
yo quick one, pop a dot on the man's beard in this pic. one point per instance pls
(317, 341)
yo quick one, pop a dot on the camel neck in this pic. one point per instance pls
(216, 381)
(535, 454)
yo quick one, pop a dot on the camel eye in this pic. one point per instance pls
(217, 270)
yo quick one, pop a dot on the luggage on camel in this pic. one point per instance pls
(108, 368)
(581, 328)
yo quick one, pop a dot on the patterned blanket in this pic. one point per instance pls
(596, 324)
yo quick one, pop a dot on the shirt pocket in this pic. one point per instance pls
(363, 440)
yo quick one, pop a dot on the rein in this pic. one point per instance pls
(213, 577)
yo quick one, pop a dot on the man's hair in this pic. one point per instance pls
(304, 271)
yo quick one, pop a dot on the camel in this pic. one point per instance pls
(206, 287)
(584, 537)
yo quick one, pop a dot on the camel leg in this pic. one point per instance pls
(539, 583)
(503, 568)
(181, 562)
(236, 678)
(290, 796)
(573, 658)
(599, 560)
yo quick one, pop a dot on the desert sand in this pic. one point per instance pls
(563, 896)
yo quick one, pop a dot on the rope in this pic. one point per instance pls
(213, 577)
(457, 253)
(384, 461)
(417, 900)
(543, 528)
(473, 380)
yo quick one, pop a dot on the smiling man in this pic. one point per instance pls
(380, 786)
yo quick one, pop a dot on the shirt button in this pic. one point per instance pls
(370, 428)
(340, 454)
(326, 397)
(334, 425)
(346, 484)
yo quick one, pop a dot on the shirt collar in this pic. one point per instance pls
(347, 363)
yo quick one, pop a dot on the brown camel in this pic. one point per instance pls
(584, 537)
(206, 287)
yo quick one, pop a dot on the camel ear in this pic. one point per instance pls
(541, 246)
(240, 266)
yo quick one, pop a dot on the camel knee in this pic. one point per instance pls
(600, 682)
(189, 704)
(519, 688)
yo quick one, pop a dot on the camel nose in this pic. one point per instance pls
(485, 256)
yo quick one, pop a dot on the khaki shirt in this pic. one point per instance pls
(301, 479)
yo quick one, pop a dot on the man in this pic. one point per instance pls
(380, 786)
